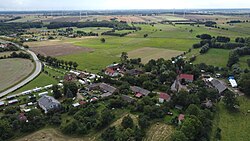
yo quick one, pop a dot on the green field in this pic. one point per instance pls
(10, 71)
(216, 57)
(39, 81)
(234, 126)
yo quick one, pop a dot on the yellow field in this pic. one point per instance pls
(13, 71)
(159, 132)
(148, 53)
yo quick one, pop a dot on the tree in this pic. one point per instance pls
(103, 40)
(193, 110)
(145, 35)
(230, 100)
(75, 65)
(127, 122)
(5, 130)
(70, 64)
(179, 136)
(244, 83)
(191, 127)
(70, 87)
(124, 57)
(109, 134)
(56, 92)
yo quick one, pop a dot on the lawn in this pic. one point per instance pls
(14, 70)
(234, 126)
(159, 132)
(216, 57)
(39, 81)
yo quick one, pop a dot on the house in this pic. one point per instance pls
(105, 88)
(128, 99)
(217, 85)
(181, 117)
(48, 103)
(70, 77)
(111, 72)
(164, 97)
(187, 77)
(134, 72)
(139, 92)
(232, 82)
(208, 104)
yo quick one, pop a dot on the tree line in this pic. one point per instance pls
(58, 63)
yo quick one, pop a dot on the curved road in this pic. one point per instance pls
(37, 71)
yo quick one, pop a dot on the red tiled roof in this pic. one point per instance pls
(187, 76)
(164, 96)
(82, 102)
(109, 70)
(138, 95)
(181, 117)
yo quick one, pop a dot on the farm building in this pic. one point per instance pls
(187, 77)
(128, 99)
(48, 103)
(232, 82)
(134, 72)
(139, 92)
(217, 85)
(105, 88)
(164, 97)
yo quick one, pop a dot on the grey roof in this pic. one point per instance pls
(137, 89)
(218, 85)
(107, 88)
(47, 103)
(106, 94)
(103, 86)
(128, 98)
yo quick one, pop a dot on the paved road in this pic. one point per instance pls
(31, 77)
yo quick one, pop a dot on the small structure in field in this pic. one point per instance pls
(48, 103)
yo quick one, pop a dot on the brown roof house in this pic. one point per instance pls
(164, 97)
(139, 92)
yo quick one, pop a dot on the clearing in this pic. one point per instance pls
(148, 53)
(14, 70)
(159, 132)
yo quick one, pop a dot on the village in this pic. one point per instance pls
(93, 87)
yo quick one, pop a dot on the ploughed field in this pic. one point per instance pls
(14, 70)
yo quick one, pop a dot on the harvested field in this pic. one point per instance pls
(148, 53)
(159, 132)
(51, 135)
(13, 71)
(54, 48)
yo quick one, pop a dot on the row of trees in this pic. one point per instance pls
(235, 54)
(58, 63)
(9, 47)
(10, 28)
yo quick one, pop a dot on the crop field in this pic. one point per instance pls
(148, 53)
(234, 125)
(216, 57)
(10, 71)
(50, 134)
(159, 132)
(59, 50)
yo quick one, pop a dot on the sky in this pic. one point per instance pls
(119, 4)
